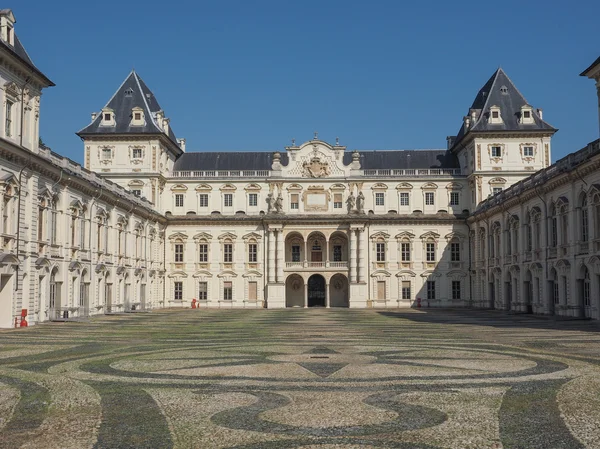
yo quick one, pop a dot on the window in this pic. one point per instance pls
(380, 249)
(526, 114)
(586, 289)
(337, 201)
(294, 199)
(136, 152)
(430, 289)
(106, 154)
(455, 251)
(8, 123)
(337, 253)
(404, 199)
(203, 252)
(137, 117)
(203, 199)
(252, 252)
(202, 291)
(584, 222)
(430, 252)
(554, 232)
(178, 291)
(179, 252)
(527, 151)
(380, 289)
(295, 253)
(496, 151)
(405, 251)
(107, 117)
(137, 192)
(227, 291)
(179, 200)
(253, 199)
(496, 190)
(456, 290)
(252, 291)
(528, 237)
(379, 199)
(228, 200)
(555, 292)
(228, 253)
(495, 114)
(454, 199)
(429, 201)
(406, 290)
(53, 226)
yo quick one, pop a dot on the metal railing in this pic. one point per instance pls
(408, 172)
(222, 174)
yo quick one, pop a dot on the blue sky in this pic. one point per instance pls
(251, 75)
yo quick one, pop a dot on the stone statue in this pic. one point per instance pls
(279, 203)
(351, 201)
(360, 203)
(270, 203)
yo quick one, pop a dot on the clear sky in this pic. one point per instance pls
(253, 74)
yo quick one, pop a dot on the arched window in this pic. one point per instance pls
(587, 295)
(596, 203)
(553, 226)
(584, 219)
(564, 223)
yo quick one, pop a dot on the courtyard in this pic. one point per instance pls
(316, 378)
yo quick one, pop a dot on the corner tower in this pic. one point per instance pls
(502, 140)
(131, 142)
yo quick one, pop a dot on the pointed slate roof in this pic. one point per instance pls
(588, 71)
(500, 91)
(132, 93)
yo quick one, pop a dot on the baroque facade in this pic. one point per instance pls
(485, 222)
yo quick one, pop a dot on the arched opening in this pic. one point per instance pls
(108, 300)
(6, 300)
(338, 291)
(585, 292)
(338, 250)
(84, 294)
(294, 250)
(528, 287)
(294, 291)
(553, 300)
(316, 291)
(316, 249)
(54, 301)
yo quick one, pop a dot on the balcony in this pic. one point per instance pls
(222, 174)
(316, 265)
(412, 172)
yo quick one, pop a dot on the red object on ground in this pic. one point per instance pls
(23, 322)
(23, 313)
(419, 303)
(194, 303)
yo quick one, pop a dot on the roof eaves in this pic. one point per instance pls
(592, 66)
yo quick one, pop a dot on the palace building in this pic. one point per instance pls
(486, 222)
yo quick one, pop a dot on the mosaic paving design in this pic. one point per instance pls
(302, 379)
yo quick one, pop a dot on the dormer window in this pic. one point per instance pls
(129, 92)
(10, 36)
(495, 117)
(504, 90)
(108, 117)
(526, 114)
(137, 117)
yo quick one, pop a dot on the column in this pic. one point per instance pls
(271, 242)
(327, 305)
(352, 256)
(280, 256)
(306, 253)
(305, 296)
(362, 255)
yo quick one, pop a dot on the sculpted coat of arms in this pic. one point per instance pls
(315, 168)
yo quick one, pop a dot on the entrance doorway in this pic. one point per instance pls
(6, 300)
(316, 291)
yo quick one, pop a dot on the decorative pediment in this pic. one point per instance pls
(136, 183)
(252, 187)
(337, 187)
(202, 236)
(404, 186)
(563, 265)
(100, 268)
(562, 201)
(381, 273)
(122, 219)
(514, 269)
(379, 186)
(294, 187)
(75, 266)
(316, 167)
(454, 235)
(178, 236)
(227, 274)
(406, 274)
(228, 187)
(227, 235)
(179, 188)
(76, 204)
(456, 274)
(380, 235)
(429, 186)
(12, 89)
(430, 274)
(202, 274)
(497, 181)
(429, 235)
(101, 212)
(252, 274)
(454, 186)
(536, 267)
(203, 188)
(252, 235)
(178, 274)
(405, 235)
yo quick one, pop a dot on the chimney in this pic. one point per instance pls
(94, 115)
(540, 113)
(181, 143)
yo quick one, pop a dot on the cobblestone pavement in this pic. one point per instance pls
(317, 378)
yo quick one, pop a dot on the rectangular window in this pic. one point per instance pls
(137, 116)
(8, 123)
(495, 114)
(203, 200)
(379, 199)
(136, 153)
(337, 201)
(107, 117)
(496, 190)
(227, 291)
(137, 192)
(404, 199)
(227, 253)
(252, 252)
(54, 228)
(178, 291)
(586, 293)
(528, 151)
(455, 252)
(380, 289)
(252, 291)
(584, 224)
(406, 290)
(405, 252)
(456, 290)
(179, 252)
(430, 289)
(496, 151)
(295, 253)
(380, 252)
(203, 252)
(337, 253)
(106, 154)
(429, 199)
(430, 252)
(454, 199)
(228, 200)
(294, 200)
(202, 291)
(529, 239)
(253, 199)
(179, 200)
(527, 114)
(555, 292)
(554, 232)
